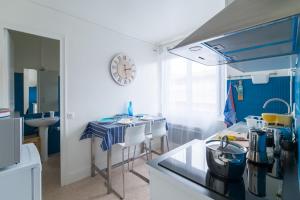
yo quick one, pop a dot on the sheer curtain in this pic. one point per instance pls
(193, 96)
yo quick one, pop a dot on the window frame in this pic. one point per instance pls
(221, 84)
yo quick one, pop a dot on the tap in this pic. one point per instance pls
(43, 115)
(277, 99)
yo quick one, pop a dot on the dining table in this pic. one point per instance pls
(112, 132)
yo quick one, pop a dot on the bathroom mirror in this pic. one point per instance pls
(41, 91)
(48, 91)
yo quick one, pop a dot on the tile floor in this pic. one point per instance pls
(93, 188)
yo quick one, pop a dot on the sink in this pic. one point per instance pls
(43, 124)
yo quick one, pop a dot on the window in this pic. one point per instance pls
(193, 94)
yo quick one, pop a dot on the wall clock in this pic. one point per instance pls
(123, 69)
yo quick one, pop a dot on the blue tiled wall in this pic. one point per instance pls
(32, 98)
(256, 94)
(19, 92)
(54, 132)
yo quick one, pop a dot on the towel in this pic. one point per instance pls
(229, 110)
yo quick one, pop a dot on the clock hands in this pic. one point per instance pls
(126, 69)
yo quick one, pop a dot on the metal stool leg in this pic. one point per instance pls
(145, 147)
(133, 156)
(167, 139)
(150, 148)
(123, 171)
(128, 158)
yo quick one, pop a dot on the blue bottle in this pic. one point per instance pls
(130, 109)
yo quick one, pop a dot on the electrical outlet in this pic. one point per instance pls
(70, 115)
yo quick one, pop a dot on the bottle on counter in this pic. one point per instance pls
(130, 109)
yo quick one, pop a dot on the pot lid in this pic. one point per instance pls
(226, 147)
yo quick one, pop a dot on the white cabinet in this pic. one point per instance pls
(163, 186)
(22, 181)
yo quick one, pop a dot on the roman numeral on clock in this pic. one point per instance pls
(115, 74)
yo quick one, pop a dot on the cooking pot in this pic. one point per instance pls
(226, 159)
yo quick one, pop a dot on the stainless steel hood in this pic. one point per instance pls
(244, 32)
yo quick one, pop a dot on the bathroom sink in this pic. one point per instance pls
(42, 122)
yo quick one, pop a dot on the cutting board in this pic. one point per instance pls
(241, 138)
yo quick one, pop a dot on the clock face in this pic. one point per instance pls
(123, 69)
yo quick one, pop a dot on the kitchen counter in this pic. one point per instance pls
(279, 181)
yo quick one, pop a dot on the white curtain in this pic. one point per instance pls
(192, 94)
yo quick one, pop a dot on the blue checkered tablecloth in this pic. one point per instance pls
(111, 133)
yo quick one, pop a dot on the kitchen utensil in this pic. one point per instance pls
(287, 145)
(226, 159)
(257, 146)
(255, 122)
(286, 141)
(257, 179)
(276, 171)
(283, 139)
(277, 137)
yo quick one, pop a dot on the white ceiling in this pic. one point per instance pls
(153, 21)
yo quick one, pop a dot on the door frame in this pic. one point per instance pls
(4, 80)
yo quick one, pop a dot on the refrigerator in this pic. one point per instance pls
(11, 135)
(22, 181)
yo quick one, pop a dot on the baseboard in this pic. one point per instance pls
(75, 176)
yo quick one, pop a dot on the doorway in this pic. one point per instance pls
(34, 68)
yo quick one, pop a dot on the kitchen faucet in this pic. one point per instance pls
(277, 99)
(43, 114)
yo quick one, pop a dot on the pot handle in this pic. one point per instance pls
(224, 141)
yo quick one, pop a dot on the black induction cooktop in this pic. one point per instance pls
(258, 181)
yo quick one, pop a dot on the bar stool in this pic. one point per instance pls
(133, 137)
(158, 130)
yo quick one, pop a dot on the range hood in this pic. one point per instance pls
(245, 34)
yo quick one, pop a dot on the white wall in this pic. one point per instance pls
(33, 52)
(90, 91)
(30, 80)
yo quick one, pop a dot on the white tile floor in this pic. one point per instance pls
(93, 188)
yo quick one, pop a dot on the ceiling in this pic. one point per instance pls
(153, 21)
